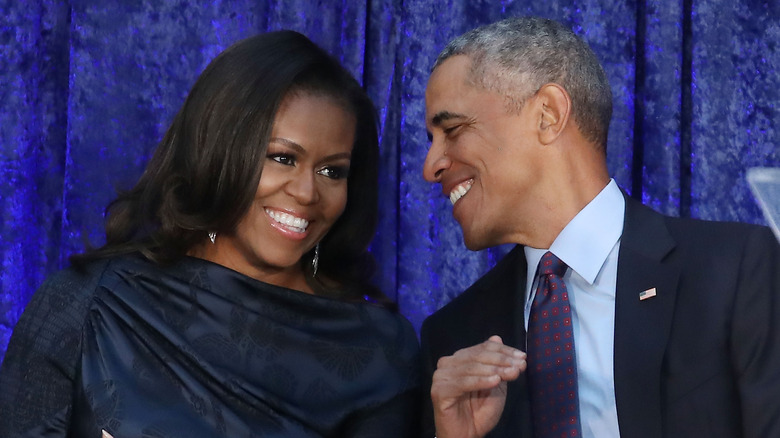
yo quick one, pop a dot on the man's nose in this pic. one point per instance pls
(436, 162)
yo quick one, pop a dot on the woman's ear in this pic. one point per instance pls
(554, 111)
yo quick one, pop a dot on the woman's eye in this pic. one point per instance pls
(287, 160)
(334, 172)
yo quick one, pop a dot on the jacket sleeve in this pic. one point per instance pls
(755, 341)
(428, 429)
(41, 363)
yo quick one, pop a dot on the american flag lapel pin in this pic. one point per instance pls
(650, 293)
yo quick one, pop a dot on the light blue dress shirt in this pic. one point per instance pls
(589, 245)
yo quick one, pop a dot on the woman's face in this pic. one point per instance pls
(302, 192)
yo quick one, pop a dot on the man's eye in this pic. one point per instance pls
(450, 130)
(334, 172)
(287, 160)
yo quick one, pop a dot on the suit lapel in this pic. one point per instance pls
(506, 287)
(501, 293)
(642, 326)
(517, 392)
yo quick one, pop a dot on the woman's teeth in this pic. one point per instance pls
(459, 191)
(291, 222)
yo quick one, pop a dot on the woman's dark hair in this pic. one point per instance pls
(205, 171)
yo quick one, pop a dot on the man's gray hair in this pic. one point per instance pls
(517, 56)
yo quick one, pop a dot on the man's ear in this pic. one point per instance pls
(554, 111)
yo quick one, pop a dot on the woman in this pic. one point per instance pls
(231, 297)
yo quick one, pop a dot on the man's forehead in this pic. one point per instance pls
(447, 86)
(453, 69)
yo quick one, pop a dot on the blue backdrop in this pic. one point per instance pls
(87, 89)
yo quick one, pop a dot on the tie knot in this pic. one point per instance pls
(551, 265)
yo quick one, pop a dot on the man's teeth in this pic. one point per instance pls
(459, 191)
(293, 223)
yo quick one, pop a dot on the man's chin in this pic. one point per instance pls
(475, 243)
(483, 238)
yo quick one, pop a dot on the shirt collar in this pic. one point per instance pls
(586, 241)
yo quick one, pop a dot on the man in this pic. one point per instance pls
(658, 326)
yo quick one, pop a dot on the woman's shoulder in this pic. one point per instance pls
(74, 282)
(59, 307)
(50, 328)
(62, 300)
(44, 350)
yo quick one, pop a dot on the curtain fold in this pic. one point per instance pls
(88, 89)
(34, 50)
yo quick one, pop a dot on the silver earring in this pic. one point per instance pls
(213, 237)
(315, 262)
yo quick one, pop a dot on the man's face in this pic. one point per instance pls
(485, 158)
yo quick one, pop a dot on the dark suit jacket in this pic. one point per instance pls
(700, 359)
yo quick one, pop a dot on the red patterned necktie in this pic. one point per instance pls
(552, 371)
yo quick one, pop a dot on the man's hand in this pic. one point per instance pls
(469, 388)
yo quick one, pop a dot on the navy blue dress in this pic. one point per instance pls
(199, 350)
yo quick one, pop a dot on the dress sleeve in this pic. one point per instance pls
(396, 418)
(399, 416)
(41, 363)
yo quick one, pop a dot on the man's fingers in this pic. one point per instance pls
(503, 356)
(446, 392)
(464, 384)
(491, 352)
(495, 343)
(483, 364)
(481, 367)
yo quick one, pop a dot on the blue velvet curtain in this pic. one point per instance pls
(87, 89)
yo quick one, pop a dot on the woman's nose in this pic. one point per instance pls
(303, 187)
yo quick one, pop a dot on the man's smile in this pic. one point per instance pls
(460, 190)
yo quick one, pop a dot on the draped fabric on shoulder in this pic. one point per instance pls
(197, 349)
